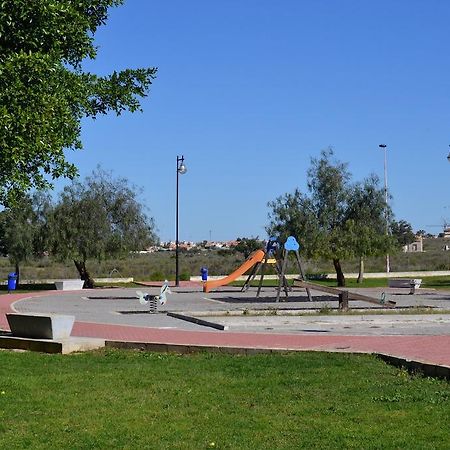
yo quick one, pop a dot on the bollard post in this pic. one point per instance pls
(343, 301)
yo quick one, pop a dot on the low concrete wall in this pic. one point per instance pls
(64, 346)
(114, 280)
(424, 273)
(97, 280)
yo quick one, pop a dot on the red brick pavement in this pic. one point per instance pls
(6, 301)
(430, 349)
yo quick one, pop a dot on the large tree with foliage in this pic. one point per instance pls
(247, 246)
(402, 232)
(365, 223)
(45, 92)
(328, 220)
(22, 229)
(96, 218)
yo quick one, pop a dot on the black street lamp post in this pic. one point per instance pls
(384, 147)
(181, 169)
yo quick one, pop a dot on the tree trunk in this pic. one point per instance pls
(17, 270)
(339, 273)
(361, 270)
(84, 274)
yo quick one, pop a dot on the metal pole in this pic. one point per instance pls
(181, 169)
(177, 268)
(384, 147)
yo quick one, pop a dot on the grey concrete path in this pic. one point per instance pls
(239, 311)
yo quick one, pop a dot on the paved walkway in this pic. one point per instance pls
(428, 349)
(115, 314)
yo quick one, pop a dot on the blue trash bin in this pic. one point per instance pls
(204, 272)
(12, 280)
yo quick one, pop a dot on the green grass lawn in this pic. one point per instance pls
(117, 399)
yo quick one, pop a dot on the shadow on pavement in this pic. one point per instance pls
(283, 299)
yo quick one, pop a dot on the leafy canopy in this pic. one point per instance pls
(336, 219)
(317, 219)
(98, 217)
(366, 225)
(402, 231)
(247, 246)
(45, 93)
(22, 229)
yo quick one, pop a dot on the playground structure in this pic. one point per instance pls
(279, 258)
(274, 255)
(258, 262)
(253, 260)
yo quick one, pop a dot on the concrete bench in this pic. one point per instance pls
(48, 334)
(69, 285)
(36, 326)
(408, 283)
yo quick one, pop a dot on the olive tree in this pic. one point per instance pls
(98, 217)
(402, 232)
(365, 223)
(22, 229)
(334, 219)
(246, 246)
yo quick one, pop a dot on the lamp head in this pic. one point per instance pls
(181, 167)
(448, 157)
(382, 146)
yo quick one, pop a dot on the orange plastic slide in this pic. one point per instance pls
(253, 259)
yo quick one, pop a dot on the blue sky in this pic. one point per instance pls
(249, 90)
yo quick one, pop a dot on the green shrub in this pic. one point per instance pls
(157, 276)
(185, 276)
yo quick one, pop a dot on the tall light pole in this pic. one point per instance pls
(181, 169)
(386, 214)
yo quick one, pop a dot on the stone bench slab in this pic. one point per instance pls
(404, 282)
(37, 326)
(69, 285)
(410, 283)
